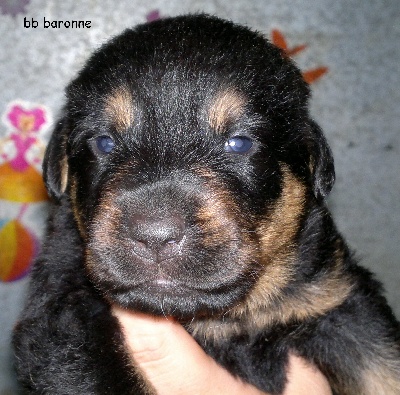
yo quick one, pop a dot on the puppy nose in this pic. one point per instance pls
(157, 238)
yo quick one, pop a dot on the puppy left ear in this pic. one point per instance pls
(55, 165)
(321, 162)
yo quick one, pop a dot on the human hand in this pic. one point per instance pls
(175, 364)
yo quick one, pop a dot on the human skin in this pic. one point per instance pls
(175, 364)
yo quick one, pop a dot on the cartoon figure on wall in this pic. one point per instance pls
(21, 155)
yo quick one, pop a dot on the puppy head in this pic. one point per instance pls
(188, 155)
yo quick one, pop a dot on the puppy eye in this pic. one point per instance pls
(239, 145)
(105, 144)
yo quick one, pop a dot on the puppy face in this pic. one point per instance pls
(188, 157)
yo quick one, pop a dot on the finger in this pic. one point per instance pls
(172, 360)
(305, 379)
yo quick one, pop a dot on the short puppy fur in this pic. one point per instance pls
(188, 180)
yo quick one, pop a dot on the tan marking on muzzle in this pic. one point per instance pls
(267, 303)
(102, 231)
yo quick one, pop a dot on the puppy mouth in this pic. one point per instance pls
(163, 283)
(183, 279)
(159, 285)
(162, 296)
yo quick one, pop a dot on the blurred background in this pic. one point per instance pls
(348, 51)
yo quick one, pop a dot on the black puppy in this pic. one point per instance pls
(189, 180)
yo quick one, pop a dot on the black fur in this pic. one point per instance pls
(170, 222)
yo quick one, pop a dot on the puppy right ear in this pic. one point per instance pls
(55, 164)
(322, 164)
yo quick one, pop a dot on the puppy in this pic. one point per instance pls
(188, 180)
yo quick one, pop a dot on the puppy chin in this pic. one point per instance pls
(171, 298)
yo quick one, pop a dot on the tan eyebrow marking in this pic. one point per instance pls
(228, 105)
(120, 107)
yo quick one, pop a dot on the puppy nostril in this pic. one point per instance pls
(172, 243)
(141, 243)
